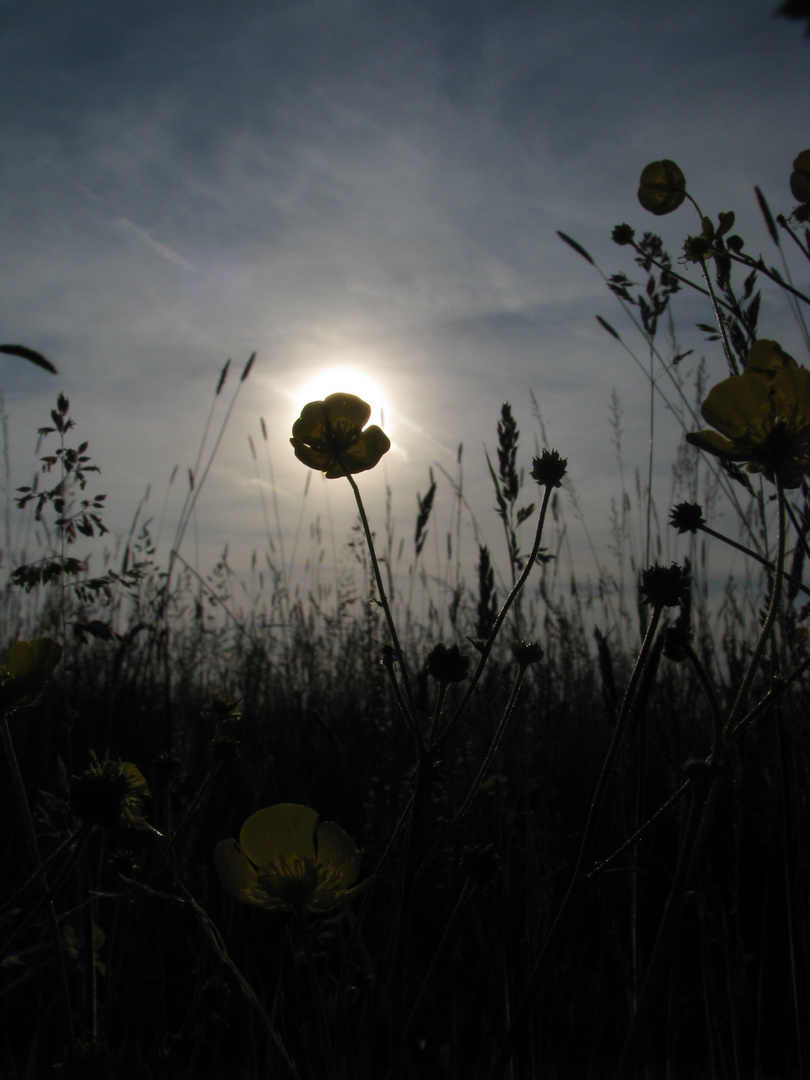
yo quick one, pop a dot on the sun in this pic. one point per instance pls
(345, 379)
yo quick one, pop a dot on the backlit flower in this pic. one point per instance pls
(662, 187)
(329, 436)
(761, 417)
(29, 665)
(288, 859)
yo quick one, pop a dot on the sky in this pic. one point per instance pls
(374, 186)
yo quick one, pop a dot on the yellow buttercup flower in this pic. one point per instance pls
(662, 187)
(761, 417)
(29, 665)
(329, 436)
(287, 859)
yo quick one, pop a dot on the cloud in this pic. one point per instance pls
(323, 180)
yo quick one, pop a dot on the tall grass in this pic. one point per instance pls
(588, 858)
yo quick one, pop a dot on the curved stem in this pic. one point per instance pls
(773, 611)
(714, 705)
(482, 771)
(702, 810)
(755, 555)
(761, 268)
(385, 604)
(730, 358)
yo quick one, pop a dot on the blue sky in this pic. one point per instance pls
(367, 184)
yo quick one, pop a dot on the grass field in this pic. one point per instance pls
(571, 824)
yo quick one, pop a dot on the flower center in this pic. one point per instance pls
(290, 879)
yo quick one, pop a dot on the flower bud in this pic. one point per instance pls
(662, 187)
(687, 517)
(527, 652)
(663, 586)
(447, 665)
(549, 469)
(623, 235)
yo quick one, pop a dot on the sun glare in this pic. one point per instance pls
(348, 380)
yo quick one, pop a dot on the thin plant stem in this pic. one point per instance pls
(466, 894)
(36, 862)
(384, 603)
(501, 616)
(521, 1013)
(773, 610)
(315, 990)
(702, 811)
(755, 555)
(730, 358)
(482, 771)
(52, 889)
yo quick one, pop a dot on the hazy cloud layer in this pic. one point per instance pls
(335, 182)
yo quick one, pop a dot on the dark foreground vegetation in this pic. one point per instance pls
(582, 816)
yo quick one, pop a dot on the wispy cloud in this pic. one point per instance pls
(384, 182)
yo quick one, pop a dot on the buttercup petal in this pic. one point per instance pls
(347, 409)
(364, 454)
(716, 444)
(37, 658)
(29, 665)
(767, 357)
(315, 458)
(311, 425)
(338, 852)
(792, 396)
(738, 406)
(278, 832)
(235, 873)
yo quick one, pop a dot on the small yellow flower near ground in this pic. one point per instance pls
(287, 859)
(662, 187)
(329, 436)
(29, 665)
(761, 417)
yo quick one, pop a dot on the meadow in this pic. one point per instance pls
(542, 830)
